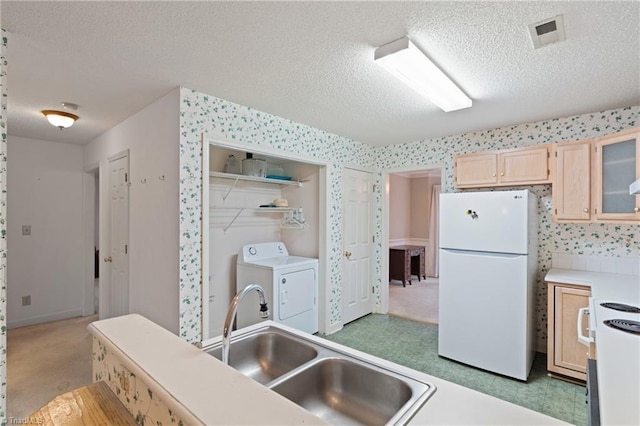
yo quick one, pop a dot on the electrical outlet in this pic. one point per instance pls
(26, 300)
(26, 229)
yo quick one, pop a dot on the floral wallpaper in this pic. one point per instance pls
(138, 398)
(217, 118)
(3, 227)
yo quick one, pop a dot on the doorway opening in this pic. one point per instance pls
(411, 203)
(91, 201)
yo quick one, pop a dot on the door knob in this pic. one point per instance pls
(637, 209)
(347, 254)
(108, 259)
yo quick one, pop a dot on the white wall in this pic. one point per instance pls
(152, 138)
(419, 206)
(399, 209)
(45, 191)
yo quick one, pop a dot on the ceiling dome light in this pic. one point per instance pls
(60, 119)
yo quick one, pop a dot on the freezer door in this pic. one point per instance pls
(485, 221)
(485, 311)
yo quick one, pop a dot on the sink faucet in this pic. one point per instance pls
(231, 315)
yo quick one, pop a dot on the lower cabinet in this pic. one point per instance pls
(565, 355)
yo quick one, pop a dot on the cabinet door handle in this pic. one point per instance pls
(493, 175)
(586, 210)
(108, 259)
(347, 254)
(637, 209)
(501, 173)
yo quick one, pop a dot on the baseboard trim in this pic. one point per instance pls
(44, 318)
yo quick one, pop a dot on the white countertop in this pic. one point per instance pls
(615, 287)
(217, 394)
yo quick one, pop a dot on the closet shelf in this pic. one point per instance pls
(254, 209)
(255, 179)
(237, 178)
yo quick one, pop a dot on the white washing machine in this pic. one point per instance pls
(290, 284)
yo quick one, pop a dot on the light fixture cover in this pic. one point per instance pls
(60, 119)
(405, 61)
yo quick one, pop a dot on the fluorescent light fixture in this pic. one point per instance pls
(60, 119)
(405, 61)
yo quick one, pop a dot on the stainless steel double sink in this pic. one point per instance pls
(338, 387)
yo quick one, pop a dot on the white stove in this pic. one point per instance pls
(617, 359)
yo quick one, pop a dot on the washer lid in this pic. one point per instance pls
(284, 262)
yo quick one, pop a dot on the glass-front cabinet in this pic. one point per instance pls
(617, 165)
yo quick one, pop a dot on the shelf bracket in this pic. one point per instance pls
(224, 197)
(233, 220)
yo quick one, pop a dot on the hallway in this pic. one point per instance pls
(45, 360)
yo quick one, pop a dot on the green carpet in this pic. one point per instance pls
(415, 345)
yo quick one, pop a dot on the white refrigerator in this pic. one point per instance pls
(488, 264)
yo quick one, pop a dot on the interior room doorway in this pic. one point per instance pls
(411, 203)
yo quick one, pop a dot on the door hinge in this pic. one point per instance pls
(126, 248)
(373, 290)
(374, 187)
(126, 177)
(373, 238)
(595, 149)
(549, 154)
(556, 210)
(556, 154)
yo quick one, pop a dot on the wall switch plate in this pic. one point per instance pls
(26, 300)
(26, 229)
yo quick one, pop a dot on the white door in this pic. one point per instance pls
(358, 246)
(118, 253)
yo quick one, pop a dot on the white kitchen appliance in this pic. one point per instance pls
(614, 327)
(290, 284)
(488, 262)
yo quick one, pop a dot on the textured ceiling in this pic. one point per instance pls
(312, 62)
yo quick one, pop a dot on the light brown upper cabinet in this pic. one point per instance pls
(512, 167)
(616, 166)
(571, 190)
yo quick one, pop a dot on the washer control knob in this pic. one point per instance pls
(252, 251)
(284, 281)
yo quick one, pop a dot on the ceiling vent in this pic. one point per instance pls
(547, 31)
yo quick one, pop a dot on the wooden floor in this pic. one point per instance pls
(418, 301)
